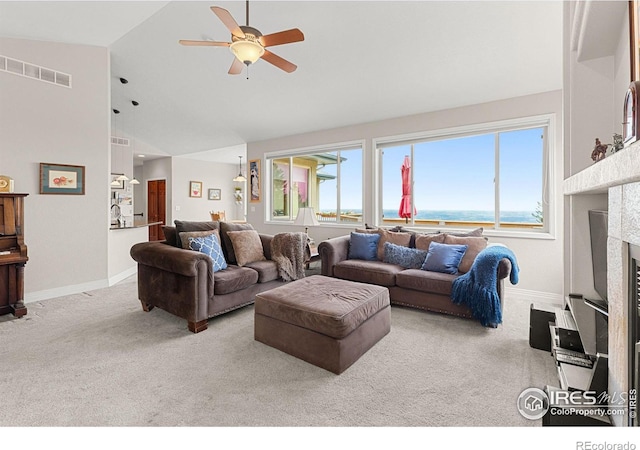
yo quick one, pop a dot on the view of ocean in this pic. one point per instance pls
(467, 215)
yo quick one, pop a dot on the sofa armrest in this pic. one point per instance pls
(167, 257)
(332, 251)
(504, 268)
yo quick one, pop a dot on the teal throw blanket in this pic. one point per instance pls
(477, 288)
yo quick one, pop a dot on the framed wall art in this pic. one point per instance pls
(195, 189)
(254, 180)
(215, 194)
(61, 179)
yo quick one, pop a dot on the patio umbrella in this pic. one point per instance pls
(405, 204)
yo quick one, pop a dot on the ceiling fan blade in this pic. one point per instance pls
(236, 67)
(279, 62)
(283, 37)
(204, 43)
(228, 21)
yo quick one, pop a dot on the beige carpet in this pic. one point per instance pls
(96, 359)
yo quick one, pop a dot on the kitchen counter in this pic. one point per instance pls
(136, 224)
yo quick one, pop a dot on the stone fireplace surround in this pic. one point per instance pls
(618, 175)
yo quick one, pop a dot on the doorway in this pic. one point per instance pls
(156, 207)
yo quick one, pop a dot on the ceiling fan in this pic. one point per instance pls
(248, 44)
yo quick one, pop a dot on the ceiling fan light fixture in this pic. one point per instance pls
(247, 51)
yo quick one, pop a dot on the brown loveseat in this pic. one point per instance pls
(182, 281)
(414, 288)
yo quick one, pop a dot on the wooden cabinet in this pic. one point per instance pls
(13, 254)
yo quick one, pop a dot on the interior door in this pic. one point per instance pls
(156, 207)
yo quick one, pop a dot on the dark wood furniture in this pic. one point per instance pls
(13, 254)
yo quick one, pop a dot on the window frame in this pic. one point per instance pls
(293, 153)
(548, 201)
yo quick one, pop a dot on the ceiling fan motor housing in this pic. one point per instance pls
(248, 48)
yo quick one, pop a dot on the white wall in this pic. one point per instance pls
(541, 260)
(212, 175)
(66, 235)
(594, 91)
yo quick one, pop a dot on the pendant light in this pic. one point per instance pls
(240, 178)
(115, 182)
(134, 103)
(123, 177)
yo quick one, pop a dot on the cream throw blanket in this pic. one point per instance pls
(291, 252)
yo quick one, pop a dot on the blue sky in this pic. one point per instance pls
(453, 174)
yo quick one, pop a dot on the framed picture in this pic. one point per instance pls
(195, 189)
(254, 180)
(215, 194)
(61, 179)
(114, 180)
(634, 36)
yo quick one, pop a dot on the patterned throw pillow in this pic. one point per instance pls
(363, 246)
(409, 258)
(210, 246)
(444, 258)
(247, 246)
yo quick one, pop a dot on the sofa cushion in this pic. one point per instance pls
(373, 272)
(401, 238)
(423, 281)
(363, 246)
(424, 240)
(409, 258)
(183, 238)
(210, 246)
(227, 245)
(267, 270)
(444, 258)
(233, 278)
(474, 246)
(473, 233)
(170, 235)
(247, 246)
(182, 226)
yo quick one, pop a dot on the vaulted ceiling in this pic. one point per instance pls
(360, 61)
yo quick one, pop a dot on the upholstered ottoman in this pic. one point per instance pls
(325, 321)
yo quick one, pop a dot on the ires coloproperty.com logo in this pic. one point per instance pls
(534, 403)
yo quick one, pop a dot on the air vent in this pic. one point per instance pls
(33, 71)
(120, 141)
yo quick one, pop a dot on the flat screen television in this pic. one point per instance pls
(598, 227)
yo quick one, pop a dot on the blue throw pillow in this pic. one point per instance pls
(364, 246)
(444, 258)
(409, 258)
(210, 246)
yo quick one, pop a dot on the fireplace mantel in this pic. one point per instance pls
(622, 167)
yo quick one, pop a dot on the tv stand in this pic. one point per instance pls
(579, 349)
(599, 305)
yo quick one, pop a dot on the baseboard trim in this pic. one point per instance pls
(122, 275)
(535, 296)
(62, 291)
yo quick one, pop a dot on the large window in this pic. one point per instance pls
(494, 179)
(328, 180)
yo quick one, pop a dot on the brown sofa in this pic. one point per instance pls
(183, 283)
(414, 288)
